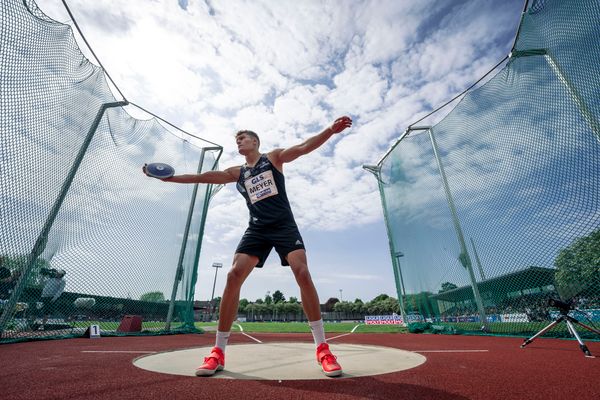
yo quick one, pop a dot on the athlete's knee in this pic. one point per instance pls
(302, 275)
(242, 266)
(235, 277)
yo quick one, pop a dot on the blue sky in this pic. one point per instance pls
(286, 70)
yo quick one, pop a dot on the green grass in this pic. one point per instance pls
(513, 328)
(111, 326)
(302, 327)
(521, 329)
(261, 327)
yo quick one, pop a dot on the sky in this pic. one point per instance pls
(286, 70)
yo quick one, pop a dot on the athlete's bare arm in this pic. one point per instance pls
(215, 177)
(280, 156)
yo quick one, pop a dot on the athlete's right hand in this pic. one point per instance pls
(340, 124)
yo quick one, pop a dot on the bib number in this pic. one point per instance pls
(261, 186)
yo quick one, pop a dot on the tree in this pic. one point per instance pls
(292, 299)
(373, 307)
(268, 299)
(293, 308)
(216, 302)
(447, 286)
(243, 304)
(330, 303)
(390, 306)
(278, 297)
(269, 310)
(260, 310)
(155, 297)
(339, 307)
(343, 307)
(358, 307)
(381, 297)
(578, 265)
(280, 311)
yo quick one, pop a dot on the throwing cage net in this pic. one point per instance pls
(495, 210)
(86, 238)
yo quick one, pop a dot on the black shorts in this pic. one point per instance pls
(259, 242)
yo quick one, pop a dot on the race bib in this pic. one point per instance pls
(261, 186)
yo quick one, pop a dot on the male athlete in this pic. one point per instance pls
(260, 180)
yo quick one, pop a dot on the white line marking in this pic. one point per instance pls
(117, 351)
(344, 334)
(338, 336)
(245, 334)
(449, 351)
(253, 338)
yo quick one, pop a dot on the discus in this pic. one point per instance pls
(159, 170)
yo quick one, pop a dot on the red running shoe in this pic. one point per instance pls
(328, 361)
(213, 363)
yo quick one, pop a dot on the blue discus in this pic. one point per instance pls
(160, 170)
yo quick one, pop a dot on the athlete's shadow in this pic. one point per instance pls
(366, 387)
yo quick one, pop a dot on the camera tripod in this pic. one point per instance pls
(570, 321)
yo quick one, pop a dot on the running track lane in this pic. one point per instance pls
(78, 369)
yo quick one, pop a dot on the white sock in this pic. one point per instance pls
(222, 338)
(318, 331)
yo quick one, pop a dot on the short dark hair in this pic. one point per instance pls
(249, 133)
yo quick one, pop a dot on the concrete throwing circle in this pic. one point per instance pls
(283, 361)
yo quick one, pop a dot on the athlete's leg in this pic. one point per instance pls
(312, 308)
(241, 268)
(308, 292)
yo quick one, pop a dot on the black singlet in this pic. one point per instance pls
(263, 187)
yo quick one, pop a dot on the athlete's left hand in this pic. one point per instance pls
(340, 124)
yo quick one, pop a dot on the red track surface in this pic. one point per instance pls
(546, 369)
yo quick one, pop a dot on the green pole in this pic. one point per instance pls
(399, 254)
(582, 106)
(465, 259)
(376, 170)
(186, 231)
(179, 272)
(478, 260)
(208, 196)
(42, 240)
(575, 96)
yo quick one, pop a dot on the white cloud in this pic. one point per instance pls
(358, 91)
(286, 70)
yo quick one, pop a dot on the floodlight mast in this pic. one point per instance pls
(216, 266)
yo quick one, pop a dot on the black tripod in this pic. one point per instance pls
(570, 321)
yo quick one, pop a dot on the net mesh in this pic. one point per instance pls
(495, 210)
(86, 238)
